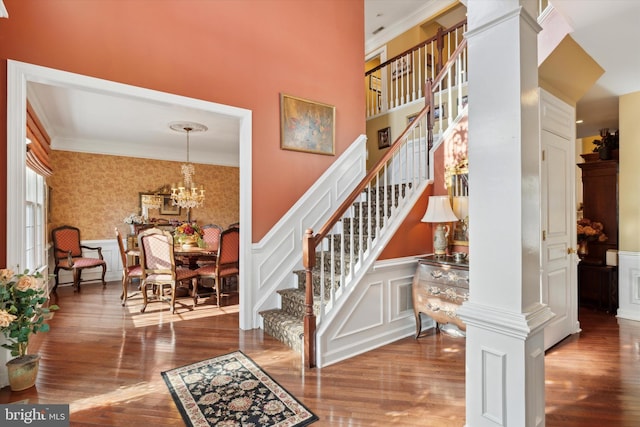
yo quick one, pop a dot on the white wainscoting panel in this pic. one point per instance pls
(629, 285)
(279, 253)
(379, 311)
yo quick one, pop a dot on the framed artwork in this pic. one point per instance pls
(167, 208)
(307, 126)
(375, 83)
(465, 100)
(400, 67)
(384, 138)
(440, 111)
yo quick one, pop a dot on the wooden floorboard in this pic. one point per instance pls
(105, 360)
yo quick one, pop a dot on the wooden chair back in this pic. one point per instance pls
(211, 236)
(229, 252)
(156, 252)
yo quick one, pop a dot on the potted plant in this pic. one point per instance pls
(607, 144)
(22, 314)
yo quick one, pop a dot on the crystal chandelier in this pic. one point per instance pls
(186, 194)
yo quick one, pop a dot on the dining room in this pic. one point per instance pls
(129, 201)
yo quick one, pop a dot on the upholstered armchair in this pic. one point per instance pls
(227, 262)
(159, 267)
(68, 255)
(129, 272)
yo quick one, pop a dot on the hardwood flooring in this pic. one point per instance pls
(105, 360)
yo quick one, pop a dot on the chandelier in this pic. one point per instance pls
(186, 194)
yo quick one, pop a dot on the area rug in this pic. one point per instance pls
(232, 390)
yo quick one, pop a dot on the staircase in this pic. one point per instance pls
(286, 323)
(338, 255)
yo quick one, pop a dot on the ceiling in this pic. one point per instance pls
(99, 122)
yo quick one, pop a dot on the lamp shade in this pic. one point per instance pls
(439, 210)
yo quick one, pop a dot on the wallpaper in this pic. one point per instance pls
(96, 192)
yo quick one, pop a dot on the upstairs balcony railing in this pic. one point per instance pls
(400, 80)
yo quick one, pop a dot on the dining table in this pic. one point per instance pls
(189, 254)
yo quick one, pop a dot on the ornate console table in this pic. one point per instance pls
(440, 285)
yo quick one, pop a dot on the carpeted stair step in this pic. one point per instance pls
(292, 302)
(285, 327)
(302, 278)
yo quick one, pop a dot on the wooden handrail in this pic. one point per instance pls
(439, 36)
(311, 241)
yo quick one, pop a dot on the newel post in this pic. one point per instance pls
(309, 261)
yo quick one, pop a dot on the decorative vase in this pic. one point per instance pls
(583, 249)
(189, 241)
(23, 371)
(604, 153)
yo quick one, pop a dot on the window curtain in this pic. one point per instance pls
(39, 148)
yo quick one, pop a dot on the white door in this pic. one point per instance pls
(559, 288)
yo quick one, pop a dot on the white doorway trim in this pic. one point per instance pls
(19, 74)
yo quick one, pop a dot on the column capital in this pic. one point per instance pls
(515, 325)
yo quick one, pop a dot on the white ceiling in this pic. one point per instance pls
(98, 122)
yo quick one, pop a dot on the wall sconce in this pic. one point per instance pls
(439, 211)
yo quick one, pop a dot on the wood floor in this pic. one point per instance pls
(105, 362)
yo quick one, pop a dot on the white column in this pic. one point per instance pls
(504, 316)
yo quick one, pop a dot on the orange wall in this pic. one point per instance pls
(96, 192)
(241, 53)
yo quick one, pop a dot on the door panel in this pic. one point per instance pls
(558, 262)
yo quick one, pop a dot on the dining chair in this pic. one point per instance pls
(211, 237)
(227, 262)
(129, 272)
(68, 255)
(159, 269)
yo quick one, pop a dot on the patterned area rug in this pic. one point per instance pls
(231, 390)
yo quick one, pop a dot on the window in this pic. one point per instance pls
(35, 253)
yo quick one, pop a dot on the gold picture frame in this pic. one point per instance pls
(307, 126)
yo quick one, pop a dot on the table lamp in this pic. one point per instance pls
(439, 211)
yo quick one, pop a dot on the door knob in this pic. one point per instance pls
(571, 251)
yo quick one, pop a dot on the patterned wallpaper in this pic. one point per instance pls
(96, 192)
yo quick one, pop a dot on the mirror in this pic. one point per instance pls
(457, 181)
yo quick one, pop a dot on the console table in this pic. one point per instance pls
(598, 286)
(440, 285)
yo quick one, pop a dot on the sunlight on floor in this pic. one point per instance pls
(119, 396)
(184, 311)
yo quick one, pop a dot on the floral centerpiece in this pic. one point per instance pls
(589, 231)
(22, 314)
(189, 234)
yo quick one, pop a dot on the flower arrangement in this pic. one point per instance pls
(187, 229)
(134, 219)
(21, 310)
(589, 231)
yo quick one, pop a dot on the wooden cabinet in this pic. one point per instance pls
(598, 286)
(600, 202)
(598, 282)
(440, 285)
